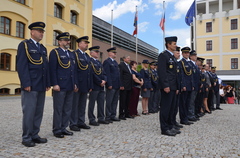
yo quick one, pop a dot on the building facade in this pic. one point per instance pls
(73, 16)
(123, 41)
(218, 37)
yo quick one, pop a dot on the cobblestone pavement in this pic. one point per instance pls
(215, 135)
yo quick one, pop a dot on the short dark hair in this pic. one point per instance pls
(132, 63)
(168, 42)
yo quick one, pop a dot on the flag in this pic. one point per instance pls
(162, 21)
(190, 14)
(135, 23)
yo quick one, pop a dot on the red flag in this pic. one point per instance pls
(135, 23)
(162, 22)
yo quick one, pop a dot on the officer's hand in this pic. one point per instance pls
(200, 91)
(184, 89)
(151, 89)
(167, 90)
(214, 83)
(75, 88)
(210, 85)
(47, 89)
(90, 90)
(201, 86)
(193, 88)
(207, 89)
(28, 89)
(121, 88)
(145, 89)
(56, 88)
(177, 91)
(110, 87)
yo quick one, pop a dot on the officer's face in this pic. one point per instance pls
(176, 54)
(64, 43)
(185, 55)
(112, 55)
(127, 59)
(37, 35)
(172, 47)
(193, 57)
(83, 45)
(152, 66)
(207, 67)
(94, 54)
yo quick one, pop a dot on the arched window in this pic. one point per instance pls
(18, 91)
(73, 42)
(55, 34)
(5, 61)
(73, 17)
(4, 91)
(20, 1)
(20, 27)
(57, 11)
(5, 25)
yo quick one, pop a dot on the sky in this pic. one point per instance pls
(149, 16)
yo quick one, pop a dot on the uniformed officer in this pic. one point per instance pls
(64, 82)
(33, 72)
(210, 88)
(84, 83)
(196, 85)
(155, 93)
(186, 86)
(216, 88)
(97, 93)
(179, 80)
(167, 72)
(111, 69)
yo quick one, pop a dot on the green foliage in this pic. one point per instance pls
(139, 67)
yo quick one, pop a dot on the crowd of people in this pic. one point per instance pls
(167, 86)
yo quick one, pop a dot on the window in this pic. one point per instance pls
(20, 1)
(18, 91)
(5, 25)
(209, 45)
(73, 17)
(5, 61)
(73, 42)
(55, 34)
(234, 43)
(234, 63)
(20, 27)
(209, 62)
(234, 24)
(209, 27)
(57, 11)
(4, 91)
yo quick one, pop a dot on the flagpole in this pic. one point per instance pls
(164, 26)
(195, 29)
(137, 39)
(112, 28)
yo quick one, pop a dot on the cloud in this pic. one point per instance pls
(181, 7)
(183, 36)
(142, 27)
(119, 9)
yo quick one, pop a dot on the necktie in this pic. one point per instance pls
(84, 54)
(38, 46)
(67, 53)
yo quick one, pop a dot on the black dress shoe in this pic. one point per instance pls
(59, 135)
(173, 130)
(84, 126)
(75, 128)
(168, 133)
(219, 109)
(115, 119)
(109, 121)
(29, 143)
(213, 109)
(40, 140)
(94, 123)
(175, 127)
(103, 122)
(192, 119)
(178, 125)
(186, 123)
(66, 132)
(122, 118)
(129, 116)
(209, 112)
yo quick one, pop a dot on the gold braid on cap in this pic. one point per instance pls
(65, 66)
(186, 72)
(33, 61)
(80, 65)
(97, 72)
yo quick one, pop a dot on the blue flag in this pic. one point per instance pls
(190, 14)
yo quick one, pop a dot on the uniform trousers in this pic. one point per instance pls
(175, 111)
(99, 97)
(112, 96)
(191, 109)
(184, 106)
(32, 108)
(210, 99)
(62, 106)
(217, 95)
(133, 104)
(167, 109)
(78, 109)
(124, 102)
(154, 100)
